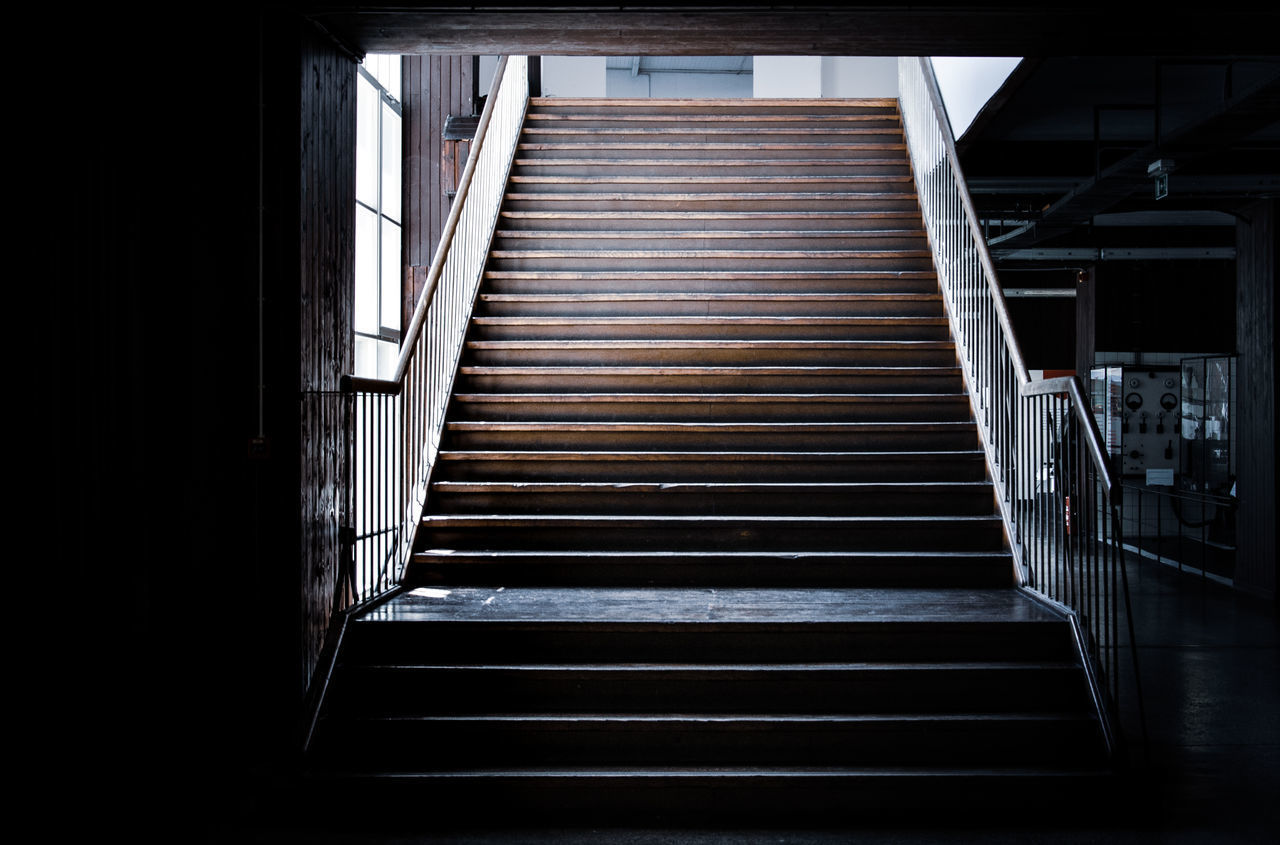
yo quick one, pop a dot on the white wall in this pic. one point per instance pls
(678, 85)
(786, 76)
(859, 76)
(573, 76)
(967, 83)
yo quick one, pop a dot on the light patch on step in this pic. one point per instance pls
(429, 593)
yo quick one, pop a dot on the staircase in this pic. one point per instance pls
(710, 529)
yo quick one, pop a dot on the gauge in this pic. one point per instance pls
(1133, 401)
(1168, 401)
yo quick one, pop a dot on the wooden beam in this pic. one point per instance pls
(844, 29)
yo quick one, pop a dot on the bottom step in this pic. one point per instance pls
(722, 569)
(809, 795)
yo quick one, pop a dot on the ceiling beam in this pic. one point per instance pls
(836, 29)
(1239, 117)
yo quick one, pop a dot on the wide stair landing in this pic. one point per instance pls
(710, 526)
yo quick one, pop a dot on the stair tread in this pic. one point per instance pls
(709, 343)
(535, 115)
(635, 196)
(736, 179)
(677, 718)
(716, 773)
(711, 297)
(646, 234)
(736, 486)
(733, 668)
(708, 253)
(615, 520)
(727, 553)
(891, 398)
(471, 369)
(773, 455)
(534, 425)
(759, 605)
(830, 214)
(717, 146)
(722, 161)
(662, 131)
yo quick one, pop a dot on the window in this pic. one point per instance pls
(378, 216)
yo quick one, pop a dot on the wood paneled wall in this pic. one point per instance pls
(326, 285)
(434, 87)
(1256, 522)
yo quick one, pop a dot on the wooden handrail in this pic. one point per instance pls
(971, 215)
(1072, 386)
(408, 346)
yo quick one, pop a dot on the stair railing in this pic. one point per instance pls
(398, 421)
(1052, 480)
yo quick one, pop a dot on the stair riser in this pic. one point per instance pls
(712, 441)
(615, 282)
(692, 329)
(424, 745)
(711, 183)
(760, 239)
(840, 152)
(539, 382)
(567, 307)
(690, 221)
(640, 164)
(713, 642)
(746, 536)
(792, 502)
(606, 261)
(759, 355)
(791, 570)
(861, 409)
(649, 201)
(782, 134)
(707, 470)
(747, 124)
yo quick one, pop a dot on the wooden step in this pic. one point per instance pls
(638, 162)
(723, 281)
(716, 105)
(769, 436)
(729, 797)
(720, 304)
(678, 184)
(860, 242)
(671, 467)
(710, 201)
(691, 498)
(691, 328)
(713, 532)
(718, 570)
(447, 741)
(686, 221)
(603, 625)
(717, 407)
(640, 379)
(779, 150)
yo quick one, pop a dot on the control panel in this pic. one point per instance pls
(1150, 401)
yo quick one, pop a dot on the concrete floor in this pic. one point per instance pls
(1210, 667)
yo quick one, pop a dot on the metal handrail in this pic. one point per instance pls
(398, 421)
(1052, 480)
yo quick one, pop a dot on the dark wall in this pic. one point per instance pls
(434, 88)
(1256, 523)
(178, 551)
(1165, 306)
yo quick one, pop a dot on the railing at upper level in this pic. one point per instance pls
(1050, 472)
(398, 422)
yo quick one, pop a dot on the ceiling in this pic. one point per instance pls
(842, 29)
